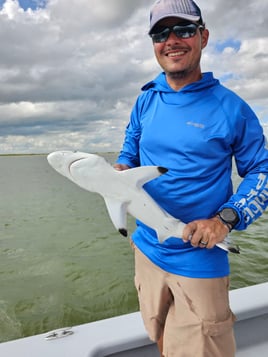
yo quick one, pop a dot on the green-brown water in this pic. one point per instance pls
(61, 261)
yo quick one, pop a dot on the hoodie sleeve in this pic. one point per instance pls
(251, 155)
(129, 154)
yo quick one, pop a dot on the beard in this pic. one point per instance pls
(184, 76)
(179, 75)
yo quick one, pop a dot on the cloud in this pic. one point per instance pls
(70, 72)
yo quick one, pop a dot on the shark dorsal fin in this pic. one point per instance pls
(140, 175)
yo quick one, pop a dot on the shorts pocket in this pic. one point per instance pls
(211, 328)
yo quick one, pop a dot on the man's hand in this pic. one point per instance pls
(121, 167)
(205, 233)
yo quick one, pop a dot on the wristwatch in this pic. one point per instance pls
(229, 217)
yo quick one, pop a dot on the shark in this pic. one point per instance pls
(122, 192)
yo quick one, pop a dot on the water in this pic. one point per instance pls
(61, 261)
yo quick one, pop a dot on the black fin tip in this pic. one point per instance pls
(162, 170)
(123, 231)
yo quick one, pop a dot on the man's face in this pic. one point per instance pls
(180, 55)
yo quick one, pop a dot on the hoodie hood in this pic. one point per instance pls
(160, 84)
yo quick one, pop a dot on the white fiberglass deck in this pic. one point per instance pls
(124, 336)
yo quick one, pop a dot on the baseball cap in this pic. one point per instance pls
(183, 9)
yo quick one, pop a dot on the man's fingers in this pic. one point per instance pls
(188, 232)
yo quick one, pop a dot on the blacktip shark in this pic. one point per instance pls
(122, 191)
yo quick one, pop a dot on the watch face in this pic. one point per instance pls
(229, 215)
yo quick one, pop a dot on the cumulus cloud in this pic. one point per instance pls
(70, 72)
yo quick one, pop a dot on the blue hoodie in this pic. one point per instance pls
(195, 133)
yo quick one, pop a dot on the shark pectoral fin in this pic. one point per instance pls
(140, 175)
(118, 213)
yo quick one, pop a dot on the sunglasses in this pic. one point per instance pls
(181, 31)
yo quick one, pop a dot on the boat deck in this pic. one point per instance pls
(124, 336)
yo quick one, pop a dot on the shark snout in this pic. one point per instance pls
(62, 161)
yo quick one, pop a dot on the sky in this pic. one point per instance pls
(71, 70)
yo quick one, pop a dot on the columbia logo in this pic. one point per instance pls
(197, 125)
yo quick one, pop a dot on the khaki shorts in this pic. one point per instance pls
(193, 315)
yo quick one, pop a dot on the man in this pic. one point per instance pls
(186, 121)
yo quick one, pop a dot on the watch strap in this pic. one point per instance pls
(228, 225)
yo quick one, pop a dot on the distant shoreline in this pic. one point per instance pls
(45, 154)
(23, 154)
